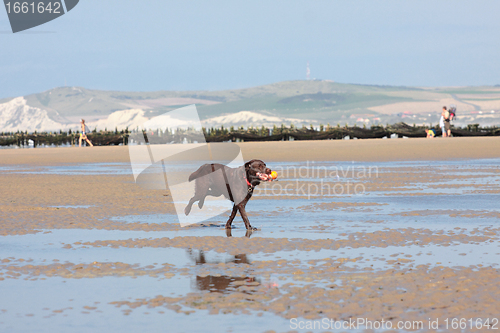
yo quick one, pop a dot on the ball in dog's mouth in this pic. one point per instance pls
(264, 177)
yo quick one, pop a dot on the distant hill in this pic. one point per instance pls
(315, 101)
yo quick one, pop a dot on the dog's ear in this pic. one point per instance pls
(247, 164)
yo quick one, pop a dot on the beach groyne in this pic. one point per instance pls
(222, 134)
(24, 139)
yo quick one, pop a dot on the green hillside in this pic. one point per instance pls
(317, 99)
(285, 98)
(304, 104)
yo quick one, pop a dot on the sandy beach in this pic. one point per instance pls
(417, 240)
(327, 150)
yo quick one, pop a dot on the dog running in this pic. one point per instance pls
(236, 184)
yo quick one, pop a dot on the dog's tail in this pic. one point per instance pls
(202, 171)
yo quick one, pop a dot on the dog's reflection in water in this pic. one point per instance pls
(248, 233)
(229, 233)
(223, 283)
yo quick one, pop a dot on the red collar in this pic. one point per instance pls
(248, 183)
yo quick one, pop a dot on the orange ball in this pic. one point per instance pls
(274, 174)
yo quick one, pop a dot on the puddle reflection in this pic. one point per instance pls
(247, 234)
(223, 283)
(226, 284)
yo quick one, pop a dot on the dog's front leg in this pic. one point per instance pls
(245, 217)
(231, 217)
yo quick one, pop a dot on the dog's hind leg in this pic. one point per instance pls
(231, 217)
(187, 210)
(201, 202)
(200, 192)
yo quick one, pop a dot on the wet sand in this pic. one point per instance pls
(420, 243)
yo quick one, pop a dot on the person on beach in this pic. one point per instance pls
(441, 124)
(83, 134)
(447, 118)
(430, 133)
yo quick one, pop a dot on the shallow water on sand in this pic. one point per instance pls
(412, 216)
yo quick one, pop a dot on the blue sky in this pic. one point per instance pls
(193, 45)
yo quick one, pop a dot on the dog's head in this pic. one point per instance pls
(257, 171)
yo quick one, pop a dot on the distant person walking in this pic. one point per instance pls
(83, 134)
(441, 124)
(447, 119)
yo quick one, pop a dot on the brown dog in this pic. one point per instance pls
(236, 184)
